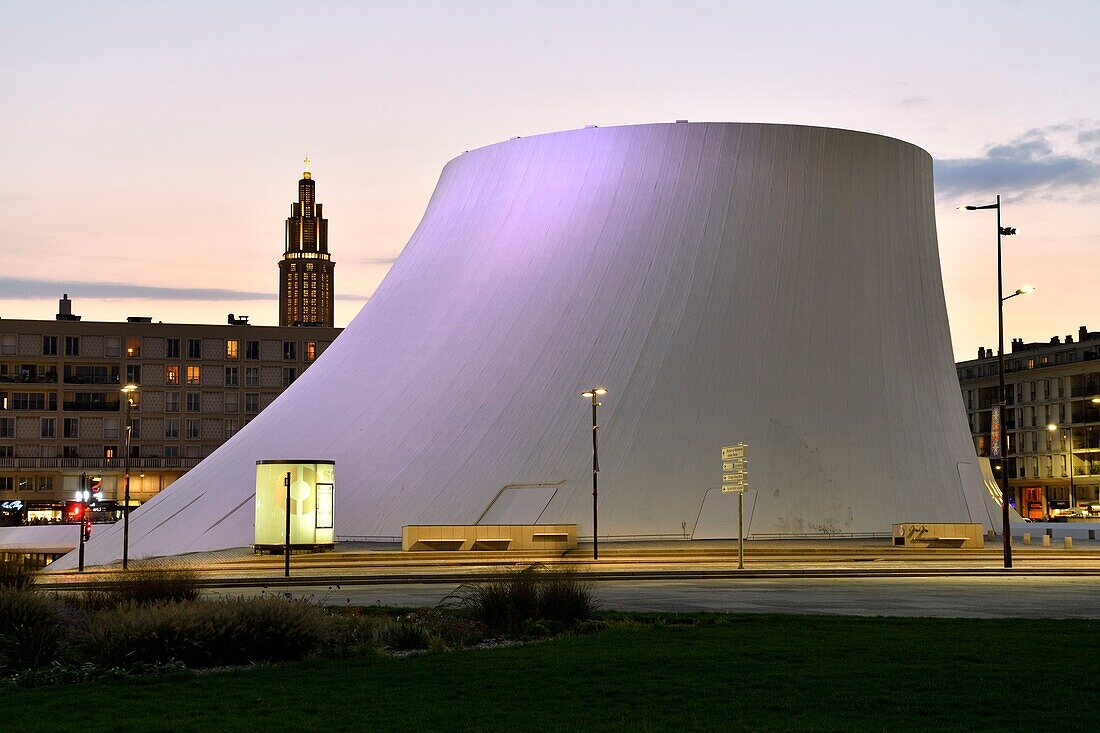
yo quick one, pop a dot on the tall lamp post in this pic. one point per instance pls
(128, 393)
(593, 396)
(1002, 443)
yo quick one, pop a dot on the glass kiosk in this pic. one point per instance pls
(312, 500)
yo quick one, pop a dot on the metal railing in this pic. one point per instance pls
(75, 406)
(48, 378)
(118, 463)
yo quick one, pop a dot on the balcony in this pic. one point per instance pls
(99, 463)
(47, 378)
(81, 406)
(86, 379)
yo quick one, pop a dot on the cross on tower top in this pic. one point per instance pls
(306, 161)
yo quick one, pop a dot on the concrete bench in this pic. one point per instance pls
(500, 537)
(932, 534)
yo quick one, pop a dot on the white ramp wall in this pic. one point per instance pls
(771, 284)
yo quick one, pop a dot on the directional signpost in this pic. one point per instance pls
(735, 480)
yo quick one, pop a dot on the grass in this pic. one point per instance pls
(643, 673)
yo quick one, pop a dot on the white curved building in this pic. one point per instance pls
(776, 285)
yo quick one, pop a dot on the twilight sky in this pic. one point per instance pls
(153, 149)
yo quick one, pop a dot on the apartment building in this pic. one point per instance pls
(1052, 422)
(63, 416)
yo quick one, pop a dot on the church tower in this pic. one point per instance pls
(305, 272)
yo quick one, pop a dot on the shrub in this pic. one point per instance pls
(16, 574)
(530, 594)
(32, 630)
(503, 605)
(212, 633)
(452, 629)
(400, 635)
(565, 599)
(148, 585)
(351, 634)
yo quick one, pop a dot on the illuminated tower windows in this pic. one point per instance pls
(306, 293)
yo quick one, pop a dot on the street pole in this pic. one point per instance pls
(1069, 438)
(1002, 442)
(126, 485)
(1006, 522)
(286, 546)
(593, 395)
(83, 518)
(595, 481)
(741, 530)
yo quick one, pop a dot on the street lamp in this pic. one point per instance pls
(128, 391)
(1025, 290)
(593, 394)
(82, 497)
(1002, 443)
(1069, 460)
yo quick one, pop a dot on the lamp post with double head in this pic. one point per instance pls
(128, 393)
(593, 395)
(1002, 443)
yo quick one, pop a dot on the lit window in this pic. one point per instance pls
(231, 349)
(172, 374)
(194, 374)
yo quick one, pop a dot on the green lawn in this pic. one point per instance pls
(718, 672)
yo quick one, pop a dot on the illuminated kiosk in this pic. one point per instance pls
(777, 285)
(312, 505)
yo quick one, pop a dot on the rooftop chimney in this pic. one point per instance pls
(1082, 333)
(65, 309)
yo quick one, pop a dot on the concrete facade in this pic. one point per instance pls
(1055, 383)
(775, 285)
(62, 414)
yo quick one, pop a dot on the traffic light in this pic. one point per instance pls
(74, 511)
(87, 528)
